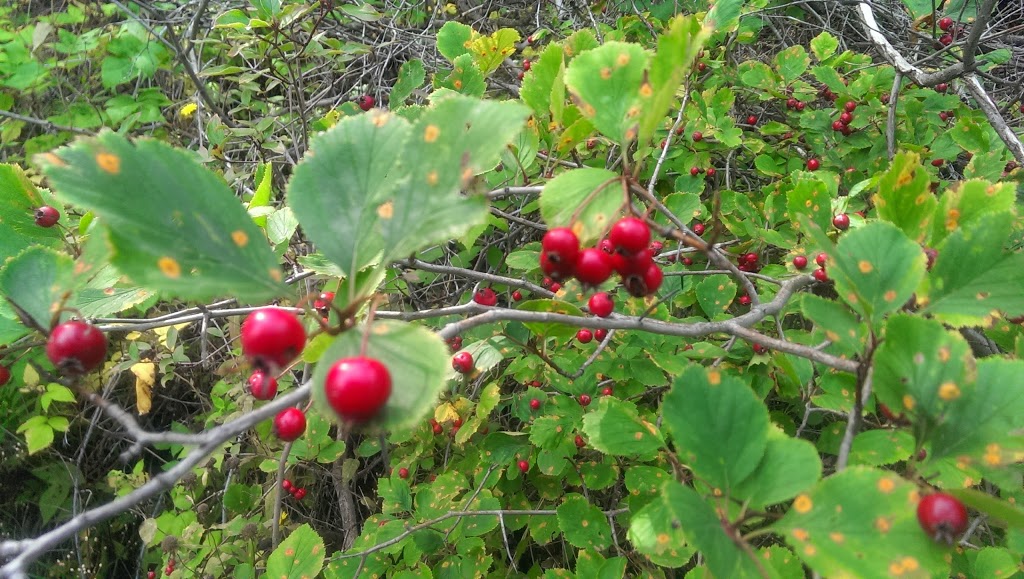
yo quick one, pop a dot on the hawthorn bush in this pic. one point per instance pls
(332, 289)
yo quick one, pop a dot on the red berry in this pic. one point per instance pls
(600, 334)
(931, 254)
(944, 116)
(580, 443)
(820, 259)
(607, 391)
(555, 269)
(744, 300)
(463, 362)
(151, 575)
(357, 388)
(601, 304)
(404, 472)
(938, 162)
(485, 297)
(711, 171)
(46, 216)
(629, 264)
(555, 287)
(941, 87)
(76, 347)
(286, 485)
(646, 284)
(698, 136)
(323, 302)
(534, 404)
(813, 164)
(299, 494)
(942, 516)
(526, 65)
(561, 245)
(584, 336)
(750, 258)
(841, 222)
(168, 570)
(437, 428)
(584, 399)
(523, 466)
(946, 39)
(759, 349)
(272, 338)
(5, 375)
(791, 103)
(262, 386)
(846, 130)
(837, 125)
(850, 106)
(606, 246)
(820, 275)
(630, 235)
(289, 424)
(517, 296)
(800, 105)
(594, 266)
(701, 67)
(697, 229)
(752, 120)
(694, 171)
(846, 118)
(457, 422)
(687, 261)
(945, 23)
(799, 262)
(656, 246)
(365, 102)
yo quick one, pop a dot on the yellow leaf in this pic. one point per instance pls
(145, 377)
(446, 413)
(162, 332)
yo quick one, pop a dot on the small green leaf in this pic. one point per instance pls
(606, 84)
(583, 524)
(36, 281)
(593, 197)
(881, 447)
(551, 330)
(18, 202)
(788, 467)
(616, 428)
(656, 530)
(824, 45)
(904, 197)
(544, 85)
(678, 47)
(715, 294)
(792, 63)
(299, 556)
(809, 198)
(464, 78)
(410, 77)
(453, 40)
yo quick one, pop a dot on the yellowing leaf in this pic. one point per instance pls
(162, 332)
(445, 413)
(145, 377)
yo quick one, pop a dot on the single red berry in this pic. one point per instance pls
(523, 466)
(526, 65)
(76, 347)
(600, 334)
(555, 287)
(846, 130)
(366, 102)
(820, 275)
(837, 125)
(750, 258)
(404, 472)
(529, 39)
(946, 39)
(584, 336)
(813, 164)
(584, 399)
(580, 443)
(606, 246)
(463, 362)
(607, 391)
(561, 245)
(943, 517)
(938, 162)
(701, 67)
(697, 136)
(759, 349)
(630, 235)
(687, 261)
(846, 118)
(485, 297)
(697, 229)
(262, 386)
(5, 375)
(534, 404)
(800, 105)
(943, 116)
(517, 296)
(820, 259)
(286, 485)
(457, 422)
(169, 570)
(791, 103)
(535, 383)
(357, 388)
(921, 455)
(711, 171)
(799, 262)
(272, 338)
(743, 300)
(323, 302)
(646, 284)
(841, 222)
(945, 23)
(601, 304)
(656, 246)
(435, 427)
(594, 266)
(752, 120)
(694, 171)
(931, 254)
(849, 106)
(151, 575)
(289, 424)
(46, 216)
(941, 87)
(299, 494)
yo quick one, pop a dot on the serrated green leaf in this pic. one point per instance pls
(464, 77)
(824, 45)
(792, 63)
(656, 530)
(616, 428)
(715, 294)
(678, 47)
(36, 280)
(606, 84)
(583, 524)
(904, 197)
(299, 556)
(788, 467)
(593, 197)
(453, 40)
(410, 77)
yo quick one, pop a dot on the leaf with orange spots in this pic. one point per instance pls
(489, 51)
(862, 522)
(454, 40)
(905, 199)
(605, 84)
(300, 556)
(616, 428)
(584, 525)
(36, 280)
(591, 196)
(19, 199)
(544, 85)
(967, 203)
(678, 47)
(656, 530)
(788, 467)
(809, 198)
(464, 77)
(172, 225)
(715, 293)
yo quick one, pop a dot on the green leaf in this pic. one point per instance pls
(719, 423)
(491, 50)
(416, 358)
(36, 280)
(881, 447)
(836, 321)
(18, 202)
(149, 197)
(410, 77)
(38, 433)
(465, 78)
(1004, 512)
(299, 556)
(678, 47)
(756, 74)
(723, 16)
(616, 428)
(962, 206)
(824, 45)
(920, 368)
(453, 40)
(606, 84)
(593, 197)
(788, 467)
(792, 63)
(876, 268)
(551, 329)
(656, 530)
(809, 198)
(715, 294)
(905, 199)
(544, 84)
(584, 525)
(973, 277)
(862, 522)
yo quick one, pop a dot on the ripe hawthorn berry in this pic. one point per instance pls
(946, 39)
(743, 300)
(5, 375)
(711, 171)
(837, 125)
(366, 102)
(403, 472)
(436, 427)
(485, 297)
(323, 301)
(694, 171)
(698, 136)
(46, 216)
(607, 391)
(289, 424)
(76, 347)
(945, 23)
(463, 362)
(535, 404)
(524, 466)
(697, 229)
(630, 235)
(759, 349)
(800, 262)
(526, 65)
(561, 245)
(151, 575)
(272, 338)
(584, 400)
(556, 269)
(820, 275)
(656, 246)
(942, 516)
(286, 485)
(262, 386)
(845, 118)
(820, 259)
(517, 296)
(813, 164)
(580, 443)
(752, 120)
(841, 222)
(357, 388)
(593, 266)
(849, 106)
(629, 264)
(600, 334)
(601, 304)
(646, 284)
(299, 494)
(584, 336)
(941, 87)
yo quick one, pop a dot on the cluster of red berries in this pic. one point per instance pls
(436, 427)
(526, 68)
(322, 304)
(842, 124)
(947, 25)
(826, 93)
(297, 492)
(626, 251)
(748, 262)
(551, 285)
(455, 343)
(485, 296)
(463, 362)
(800, 263)
(793, 104)
(168, 570)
